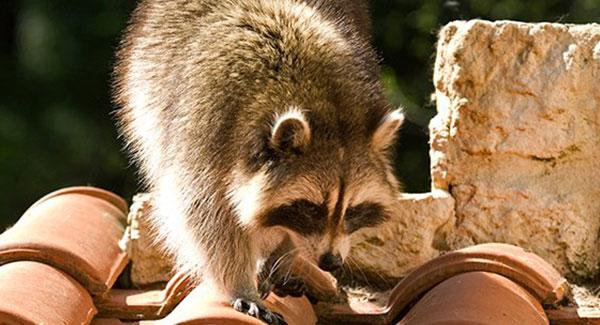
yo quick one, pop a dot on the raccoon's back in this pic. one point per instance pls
(196, 79)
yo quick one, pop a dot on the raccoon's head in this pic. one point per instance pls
(320, 181)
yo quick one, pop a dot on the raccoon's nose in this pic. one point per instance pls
(330, 262)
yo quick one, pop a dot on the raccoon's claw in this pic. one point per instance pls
(292, 286)
(257, 311)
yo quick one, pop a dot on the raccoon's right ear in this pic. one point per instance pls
(387, 130)
(290, 132)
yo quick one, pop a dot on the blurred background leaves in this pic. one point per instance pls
(55, 65)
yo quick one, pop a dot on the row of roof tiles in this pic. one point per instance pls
(59, 262)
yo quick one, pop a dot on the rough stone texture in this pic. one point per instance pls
(149, 264)
(411, 237)
(517, 137)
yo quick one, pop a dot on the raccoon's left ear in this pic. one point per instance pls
(385, 134)
(290, 132)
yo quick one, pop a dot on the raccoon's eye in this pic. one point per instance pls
(309, 210)
(301, 216)
(364, 215)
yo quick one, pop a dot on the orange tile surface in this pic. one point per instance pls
(76, 230)
(477, 298)
(35, 293)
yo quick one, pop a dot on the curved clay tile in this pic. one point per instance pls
(524, 268)
(129, 304)
(203, 306)
(477, 298)
(35, 293)
(76, 230)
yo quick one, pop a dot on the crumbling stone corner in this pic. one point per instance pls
(516, 140)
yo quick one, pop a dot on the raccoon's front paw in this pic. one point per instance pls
(290, 286)
(257, 310)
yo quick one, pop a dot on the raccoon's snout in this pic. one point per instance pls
(330, 262)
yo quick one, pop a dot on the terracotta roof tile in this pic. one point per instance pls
(477, 298)
(35, 293)
(76, 230)
(144, 304)
(524, 268)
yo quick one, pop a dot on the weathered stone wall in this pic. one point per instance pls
(414, 235)
(517, 137)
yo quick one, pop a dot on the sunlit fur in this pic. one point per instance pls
(206, 89)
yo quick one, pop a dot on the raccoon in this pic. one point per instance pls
(251, 120)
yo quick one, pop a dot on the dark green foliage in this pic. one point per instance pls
(55, 124)
(55, 63)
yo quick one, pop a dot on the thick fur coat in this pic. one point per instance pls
(250, 118)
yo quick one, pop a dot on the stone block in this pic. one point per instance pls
(415, 234)
(516, 140)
